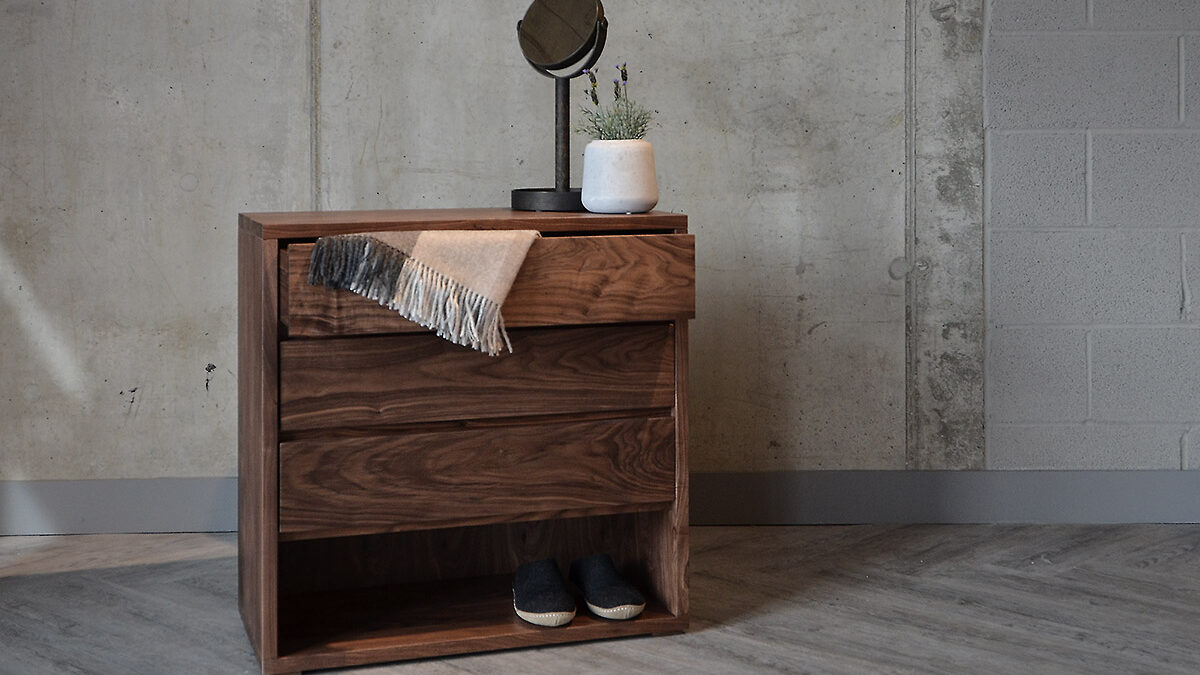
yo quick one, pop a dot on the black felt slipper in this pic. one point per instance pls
(540, 596)
(605, 592)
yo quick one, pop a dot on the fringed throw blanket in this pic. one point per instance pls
(452, 281)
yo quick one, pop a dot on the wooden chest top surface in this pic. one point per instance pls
(309, 224)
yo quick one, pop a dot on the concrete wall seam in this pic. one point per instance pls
(314, 103)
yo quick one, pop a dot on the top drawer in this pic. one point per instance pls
(564, 281)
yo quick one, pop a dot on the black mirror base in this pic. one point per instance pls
(547, 199)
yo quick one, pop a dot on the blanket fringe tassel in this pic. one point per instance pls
(405, 285)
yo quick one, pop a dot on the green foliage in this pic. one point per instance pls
(622, 120)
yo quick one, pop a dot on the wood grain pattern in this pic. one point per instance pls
(666, 531)
(257, 441)
(581, 431)
(423, 620)
(341, 382)
(333, 487)
(564, 281)
(302, 225)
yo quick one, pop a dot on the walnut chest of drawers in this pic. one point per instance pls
(389, 482)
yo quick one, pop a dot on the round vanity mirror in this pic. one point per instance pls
(558, 34)
(560, 39)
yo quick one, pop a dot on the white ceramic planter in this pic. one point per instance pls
(618, 176)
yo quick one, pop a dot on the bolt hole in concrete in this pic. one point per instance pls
(899, 268)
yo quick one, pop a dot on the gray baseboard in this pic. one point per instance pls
(835, 497)
(771, 498)
(124, 505)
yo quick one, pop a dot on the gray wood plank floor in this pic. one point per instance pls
(854, 599)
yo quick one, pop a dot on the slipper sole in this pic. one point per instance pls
(618, 613)
(548, 619)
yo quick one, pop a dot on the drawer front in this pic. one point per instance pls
(401, 379)
(564, 281)
(419, 480)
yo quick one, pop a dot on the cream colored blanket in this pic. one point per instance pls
(451, 281)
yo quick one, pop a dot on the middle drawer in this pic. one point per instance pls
(426, 479)
(404, 379)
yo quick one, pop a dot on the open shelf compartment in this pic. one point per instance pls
(406, 595)
(341, 628)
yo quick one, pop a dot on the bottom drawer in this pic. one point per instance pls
(418, 480)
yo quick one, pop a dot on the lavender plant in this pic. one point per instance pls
(621, 120)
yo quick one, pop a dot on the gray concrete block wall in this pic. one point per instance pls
(1083, 276)
(1044, 183)
(1066, 80)
(1146, 179)
(1015, 15)
(1092, 115)
(1038, 375)
(1146, 374)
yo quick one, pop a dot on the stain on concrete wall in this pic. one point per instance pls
(945, 284)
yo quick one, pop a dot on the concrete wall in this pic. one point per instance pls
(1093, 135)
(135, 131)
(783, 144)
(131, 134)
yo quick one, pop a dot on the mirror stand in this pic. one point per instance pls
(562, 197)
(551, 42)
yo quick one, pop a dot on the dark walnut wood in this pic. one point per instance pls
(429, 479)
(417, 556)
(666, 530)
(341, 629)
(399, 379)
(390, 482)
(258, 396)
(308, 225)
(563, 281)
